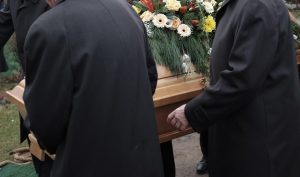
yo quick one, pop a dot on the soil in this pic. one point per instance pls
(187, 153)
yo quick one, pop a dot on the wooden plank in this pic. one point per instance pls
(15, 96)
(174, 134)
(176, 92)
(165, 131)
(298, 56)
(35, 149)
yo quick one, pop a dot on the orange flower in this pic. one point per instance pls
(148, 4)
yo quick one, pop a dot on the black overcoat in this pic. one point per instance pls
(17, 16)
(252, 105)
(88, 95)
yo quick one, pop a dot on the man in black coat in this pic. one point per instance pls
(252, 105)
(88, 93)
(17, 16)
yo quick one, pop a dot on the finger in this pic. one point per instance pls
(173, 121)
(182, 127)
(171, 116)
(177, 125)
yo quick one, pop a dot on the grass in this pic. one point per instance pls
(9, 126)
(9, 116)
(14, 72)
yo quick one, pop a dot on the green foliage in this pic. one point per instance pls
(296, 31)
(165, 50)
(139, 5)
(168, 48)
(198, 52)
(186, 28)
(14, 67)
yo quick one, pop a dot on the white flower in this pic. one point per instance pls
(213, 2)
(160, 20)
(209, 8)
(184, 30)
(295, 37)
(209, 51)
(147, 16)
(173, 5)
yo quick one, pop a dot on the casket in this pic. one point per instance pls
(172, 91)
(298, 56)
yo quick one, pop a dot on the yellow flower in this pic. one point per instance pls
(209, 24)
(136, 9)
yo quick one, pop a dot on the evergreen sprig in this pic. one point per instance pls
(168, 47)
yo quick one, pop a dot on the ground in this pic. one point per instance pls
(9, 125)
(187, 153)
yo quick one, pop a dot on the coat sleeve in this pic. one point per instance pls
(49, 83)
(252, 57)
(151, 65)
(6, 30)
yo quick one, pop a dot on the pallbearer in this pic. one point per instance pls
(89, 83)
(251, 107)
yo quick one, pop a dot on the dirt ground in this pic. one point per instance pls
(187, 153)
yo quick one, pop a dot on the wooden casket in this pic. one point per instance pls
(298, 56)
(172, 92)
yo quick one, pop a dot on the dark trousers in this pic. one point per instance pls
(168, 159)
(204, 143)
(42, 168)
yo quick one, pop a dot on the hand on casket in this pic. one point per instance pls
(178, 119)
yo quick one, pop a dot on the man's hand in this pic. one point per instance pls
(178, 119)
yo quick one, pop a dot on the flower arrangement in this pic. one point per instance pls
(296, 32)
(179, 31)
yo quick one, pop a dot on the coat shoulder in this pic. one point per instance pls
(51, 18)
(49, 23)
(270, 11)
(256, 6)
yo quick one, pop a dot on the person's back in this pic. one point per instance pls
(262, 136)
(252, 104)
(101, 121)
